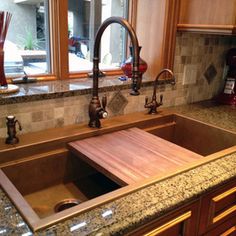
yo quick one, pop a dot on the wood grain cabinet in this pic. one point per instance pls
(213, 214)
(209, 16)
(218, 211)
(155, 25)
(182, 222)
(228, 228)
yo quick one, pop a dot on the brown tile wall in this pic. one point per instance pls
(205, 53)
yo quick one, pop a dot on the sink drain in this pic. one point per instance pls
(65, 204)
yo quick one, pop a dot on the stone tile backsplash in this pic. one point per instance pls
(117, 103)
(199, 66)
(210, 73)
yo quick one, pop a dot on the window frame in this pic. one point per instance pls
(58, 43)
(64, 48)
(59, 57)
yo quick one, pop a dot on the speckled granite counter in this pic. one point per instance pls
(223, 116)
(65, 88)
(126, 213)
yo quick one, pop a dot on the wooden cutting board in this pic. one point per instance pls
(131, 155)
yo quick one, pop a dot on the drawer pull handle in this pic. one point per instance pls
(224, 214)
(228, 211)
(169, 224)
(229, 231)
(225, 194)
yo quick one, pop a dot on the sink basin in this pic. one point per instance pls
(196, 136)
(45, 185)
(52, 183)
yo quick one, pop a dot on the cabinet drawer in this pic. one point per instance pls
(180, 222)
(218, 207)
(228, 228)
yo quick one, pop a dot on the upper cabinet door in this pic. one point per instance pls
(209, 16)
(156, 25)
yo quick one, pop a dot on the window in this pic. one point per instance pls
(42, 32)
(84, 19)
(27, 43)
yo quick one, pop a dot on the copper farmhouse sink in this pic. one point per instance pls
(195, 136)
(48, 181)
(55, 185)
(50, 184)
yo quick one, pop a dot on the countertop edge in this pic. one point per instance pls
(62, 88)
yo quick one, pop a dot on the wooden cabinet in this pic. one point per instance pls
(217, 207)
(211, 16)
(182, 222)
(155, 25)
(213, 214)
(228, 228)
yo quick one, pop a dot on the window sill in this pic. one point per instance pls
(66, 88)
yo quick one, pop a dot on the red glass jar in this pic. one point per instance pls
(128, 64)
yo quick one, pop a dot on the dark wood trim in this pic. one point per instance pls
(228, 228)
(221, 197)
(186, 216)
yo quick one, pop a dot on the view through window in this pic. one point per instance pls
(26, 47)
(84, 19)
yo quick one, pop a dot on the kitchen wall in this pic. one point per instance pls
(200, 61)
(199, 64)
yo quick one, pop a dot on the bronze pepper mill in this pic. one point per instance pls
(11, 130)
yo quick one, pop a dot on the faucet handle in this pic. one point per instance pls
(104, 101)
(19, 124)
(161, 99)
(103, 113)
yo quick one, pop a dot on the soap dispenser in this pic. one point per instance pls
(11, 130)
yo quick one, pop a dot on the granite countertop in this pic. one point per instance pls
(223, 116)
(65, 88)
(127, 212)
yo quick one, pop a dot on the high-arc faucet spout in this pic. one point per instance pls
(157, 78)
(96, 111)
(135, 45)
(154, 104)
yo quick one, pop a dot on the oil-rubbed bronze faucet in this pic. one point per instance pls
(96, 111)
(11, 130)
(154, 104)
